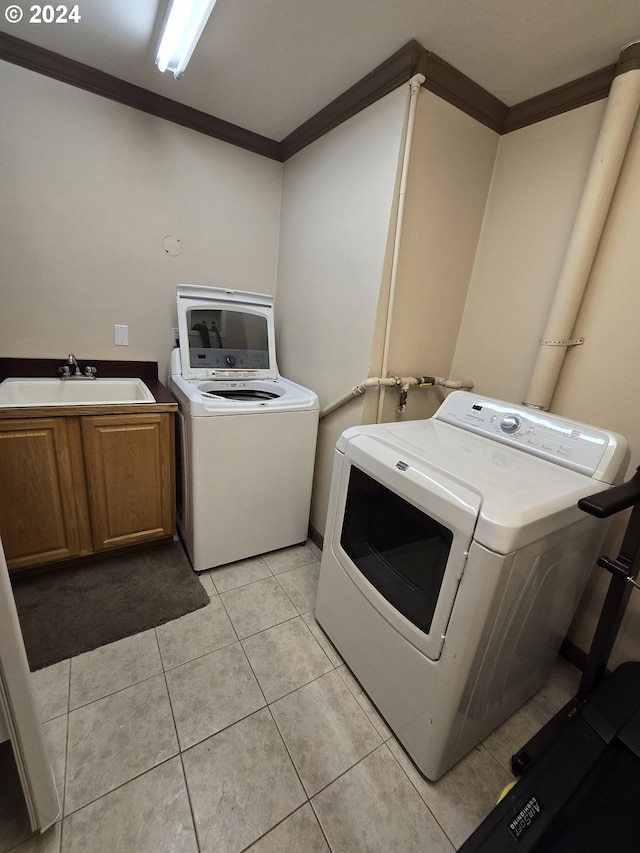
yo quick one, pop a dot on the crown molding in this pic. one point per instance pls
(451, 85)
(393, 72)
(578, 93)
(629, 59)
(441, 78)
(42, 61)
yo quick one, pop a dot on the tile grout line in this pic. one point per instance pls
(411, 782)
(293, 764)
(191, 809)
(66, 756)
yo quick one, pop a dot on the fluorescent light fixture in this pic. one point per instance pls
(183, 25)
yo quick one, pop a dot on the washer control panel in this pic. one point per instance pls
(571, 444)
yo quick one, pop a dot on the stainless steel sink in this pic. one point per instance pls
(17, 391)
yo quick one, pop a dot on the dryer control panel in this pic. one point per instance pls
(577, 446)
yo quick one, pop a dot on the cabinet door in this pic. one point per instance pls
(38, 516)
(129, 464)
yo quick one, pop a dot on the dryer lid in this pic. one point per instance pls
(225, 334)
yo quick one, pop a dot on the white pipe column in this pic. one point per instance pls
(414, 88)
(617, 126)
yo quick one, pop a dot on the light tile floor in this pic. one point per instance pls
(238, 727)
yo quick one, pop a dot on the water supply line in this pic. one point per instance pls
(414, 89)
(402, 383)
(604, 170)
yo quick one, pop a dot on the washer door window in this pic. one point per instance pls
(400, 550)
(227, 339)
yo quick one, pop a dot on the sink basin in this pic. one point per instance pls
(73, 392)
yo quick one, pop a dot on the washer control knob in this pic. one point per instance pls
(510, 423)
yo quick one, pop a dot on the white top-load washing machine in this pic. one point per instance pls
(454, 559)
(247, 436)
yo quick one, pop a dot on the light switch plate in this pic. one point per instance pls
(122, 336)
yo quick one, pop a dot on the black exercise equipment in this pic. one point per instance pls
(580, 774)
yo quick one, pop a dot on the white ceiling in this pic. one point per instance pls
(269, 65)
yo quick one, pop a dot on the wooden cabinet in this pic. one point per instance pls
(38, 521)
(72, 486)
(129, 469)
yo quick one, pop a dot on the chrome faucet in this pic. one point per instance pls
(65, 370)
(72, 361)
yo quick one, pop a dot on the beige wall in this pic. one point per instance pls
(337, 199)
(536, 187)
(337, 234)
(539, 175)
(90, 189)
(450, 173)
(337, 202)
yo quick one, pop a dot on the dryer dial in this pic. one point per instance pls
(510, 423)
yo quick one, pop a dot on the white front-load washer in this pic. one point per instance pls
(454, 559)
(246, 435)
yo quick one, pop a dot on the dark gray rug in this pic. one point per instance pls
(64, 612)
